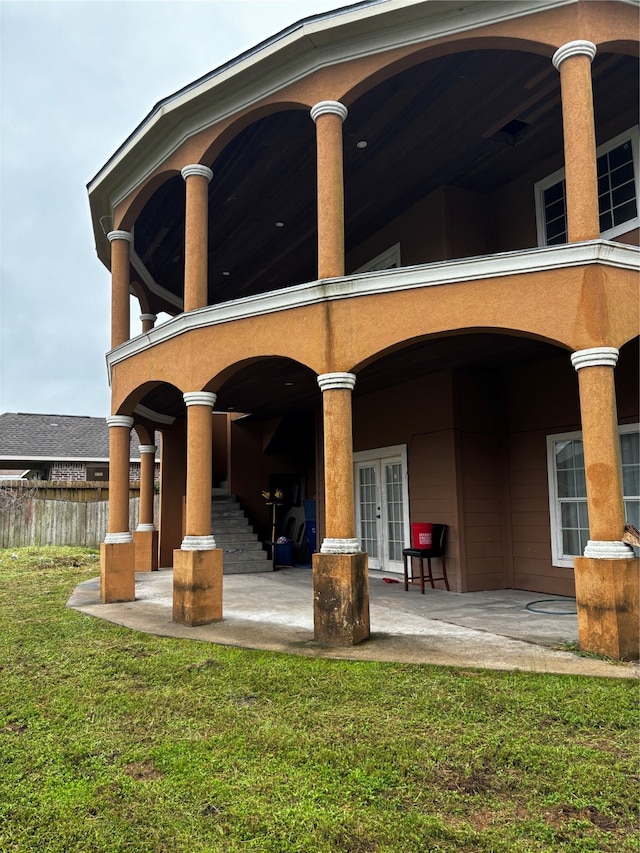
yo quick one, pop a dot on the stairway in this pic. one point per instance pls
(234, 535)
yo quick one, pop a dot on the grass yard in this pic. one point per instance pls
(111, 740)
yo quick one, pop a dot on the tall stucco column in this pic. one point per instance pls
(196, 235)
(197, 566)
(340, 578)
(607, 575)
(573, 61)
(120, 280)
(148, 322)
(328, 117)
(145, 536)
(117, 555)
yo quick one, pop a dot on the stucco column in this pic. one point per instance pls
(328, 117)
(119, 448)
(199, 460)
(601, 445)
(607, 576)
(196, 235)
(145, 536)
(197, 566)
(573, 61)
(117, 554)
(340, 579)
(120, 279)
(148, 322)
(338, 463)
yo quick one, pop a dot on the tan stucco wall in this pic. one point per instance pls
(576, 308)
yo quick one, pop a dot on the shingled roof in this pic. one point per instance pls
(56, 438)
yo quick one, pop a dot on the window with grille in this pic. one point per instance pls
(617, 193)
(568, 495)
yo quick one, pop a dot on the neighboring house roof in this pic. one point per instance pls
(56, 438)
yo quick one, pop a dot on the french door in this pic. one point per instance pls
(382, 505)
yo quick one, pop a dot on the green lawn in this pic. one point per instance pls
(111, 740)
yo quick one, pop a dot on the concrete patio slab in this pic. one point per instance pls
(273, 611)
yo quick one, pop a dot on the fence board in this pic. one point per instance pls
(56, 522)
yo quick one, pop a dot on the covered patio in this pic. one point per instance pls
(497, 629)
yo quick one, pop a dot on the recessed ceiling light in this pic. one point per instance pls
(279, 224)
(288, 383)
(226, 272)
(362, 144)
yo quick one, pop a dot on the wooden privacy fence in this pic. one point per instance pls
(28, 519)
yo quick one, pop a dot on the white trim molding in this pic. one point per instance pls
(147, 448)
(323, 108)
(595, 357)
(198, 543)
(152, 317)
(197, 169)
(199, 398)
(119, 421)
(340, 546)
(123, 538)
(337, 381)
(146, 527)
(580, 47)
(598, 550)
(120, 235)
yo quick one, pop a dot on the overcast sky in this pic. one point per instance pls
(77, 76)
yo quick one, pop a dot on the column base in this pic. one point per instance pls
(117, 572)
(197, 587)
(608, 606)
(340, 599)
(146, 543)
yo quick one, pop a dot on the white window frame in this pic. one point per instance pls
(387, 260)
(558, 557)
(539, 188)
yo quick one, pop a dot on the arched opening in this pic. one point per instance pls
(453, 430)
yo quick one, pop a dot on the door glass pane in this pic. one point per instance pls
(368, 510)
(395, 521)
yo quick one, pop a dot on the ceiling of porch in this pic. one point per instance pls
(474, 120)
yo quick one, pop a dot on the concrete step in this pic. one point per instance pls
(242, 552)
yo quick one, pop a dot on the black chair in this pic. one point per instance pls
(437, 549)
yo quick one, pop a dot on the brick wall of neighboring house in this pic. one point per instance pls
(77, 472)
(68, 471)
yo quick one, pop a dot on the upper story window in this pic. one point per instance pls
(387, 260)
(617, 193)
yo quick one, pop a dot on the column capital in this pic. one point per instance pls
(595, 357)
(151, 317)
(197, 169)
(120, 235)
(337, 381)
(328, 108)
(200, 398)
(580, 47)
(119, 421)
(147, 448)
